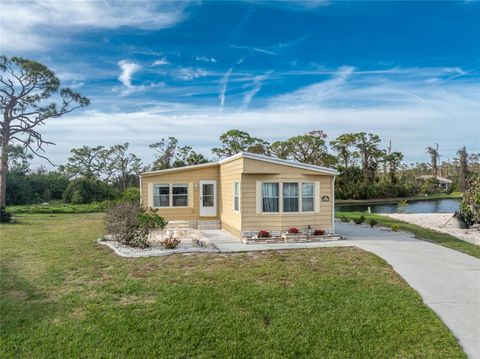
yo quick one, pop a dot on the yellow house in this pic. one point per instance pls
(244, 193)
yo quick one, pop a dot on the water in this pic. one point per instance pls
(428, 206)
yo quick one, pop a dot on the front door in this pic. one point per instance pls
(208, 198)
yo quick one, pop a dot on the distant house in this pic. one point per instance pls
(445, 183)
(242, 193)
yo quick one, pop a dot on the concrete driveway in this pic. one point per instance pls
(447, 280)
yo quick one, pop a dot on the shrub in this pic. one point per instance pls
(84, 190)
(131, 194)
(395, 227)
(293, 230)
(5, 216)
(344, 218)
(469, 210)
(129, 224)
(359, 220)
(263, 234)
(372, 222)
(171, 242)
(402, 206)
(319, 232)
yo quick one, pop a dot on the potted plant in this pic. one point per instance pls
(317, 234)
(294, 234)
(263, 234)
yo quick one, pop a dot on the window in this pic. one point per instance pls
(180, 195)
(208, 195)
(236, 196)
(161, 195)
(170, 195)
(290, 197)
(307, 197)
(270, 197)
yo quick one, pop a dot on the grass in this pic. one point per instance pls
(57, 207)
(420, 197)
(426, 234)
(63, 295)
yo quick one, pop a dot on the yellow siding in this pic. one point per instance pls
(251, 221)
(255, 166)
(192, 176)
(230, 172)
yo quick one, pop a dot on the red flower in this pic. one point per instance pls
(293, 230)
(319, 232)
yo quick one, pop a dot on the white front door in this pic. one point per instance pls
(208, 198)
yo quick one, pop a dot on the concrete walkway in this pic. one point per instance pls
(447, 280)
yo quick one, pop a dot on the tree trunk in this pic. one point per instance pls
(3, 173)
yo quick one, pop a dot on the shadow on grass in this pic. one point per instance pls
(22, 305)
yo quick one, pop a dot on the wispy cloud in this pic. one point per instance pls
(256, 87)
(189, 73)
(317, 92)
(255, 49)
(34, 25)
(223, 88)
(161, 62)
(205, 59)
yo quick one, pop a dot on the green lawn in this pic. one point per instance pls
(57, 207)
(64, 296)
(419, 232)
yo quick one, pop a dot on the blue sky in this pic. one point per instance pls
(408, 71)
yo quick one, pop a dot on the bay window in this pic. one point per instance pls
(285, 197)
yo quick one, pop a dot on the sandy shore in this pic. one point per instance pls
(436, 221)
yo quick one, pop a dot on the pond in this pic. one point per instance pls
(425, 206)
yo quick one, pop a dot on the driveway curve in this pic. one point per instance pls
(447, 280)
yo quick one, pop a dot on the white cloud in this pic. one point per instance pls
(189, 73)
(39, 24)
(316, 93)
(255, 49)
(128, 69)
(223, 88)
(256, 87)
(399, 106)
(205, 59)
(161, 62)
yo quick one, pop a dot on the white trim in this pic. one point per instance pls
(239, 196)
(333, 205)
(151, 189)
(208, 211)
(316, 197)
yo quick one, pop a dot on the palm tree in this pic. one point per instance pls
(433, 152)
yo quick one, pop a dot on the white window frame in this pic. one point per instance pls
(170, 194)
(178, 185)
(301, 197)
(280, 197)
(236, 196)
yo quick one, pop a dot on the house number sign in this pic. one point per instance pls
(325, 199)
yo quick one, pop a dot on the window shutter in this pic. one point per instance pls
(258, 196)
(150, 195)
(190, 194)
(317, 197)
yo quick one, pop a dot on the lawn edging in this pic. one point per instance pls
(419, 232)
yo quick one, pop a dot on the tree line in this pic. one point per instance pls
(366, 170)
